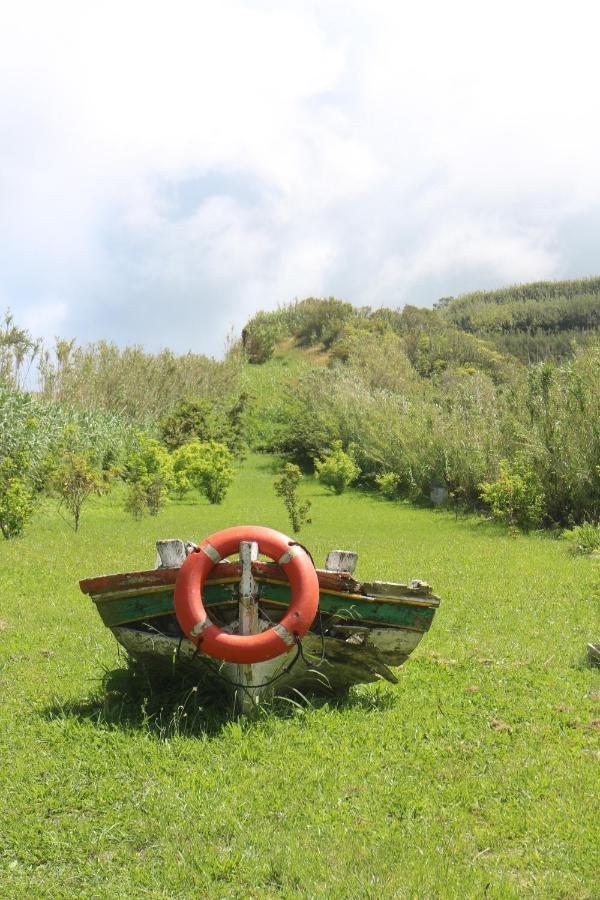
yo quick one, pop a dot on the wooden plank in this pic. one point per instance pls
(341, 561)
(139, 605)
(153, 577)
(248, 622)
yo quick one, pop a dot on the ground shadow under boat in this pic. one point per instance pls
(179, 703)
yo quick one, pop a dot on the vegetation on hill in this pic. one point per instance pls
(534, 322)
(424, 402)
(421, 399)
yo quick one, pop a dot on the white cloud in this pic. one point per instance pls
(212, 159)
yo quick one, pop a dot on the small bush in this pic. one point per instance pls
(584, 538)
(337, 469)
(16, 503)
(149, 473)
(207, 466)
(136, 501)
(258, 340)
(190, 420)
(388, 485)
(516, 498)
(286, 487)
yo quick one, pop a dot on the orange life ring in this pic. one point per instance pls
(251, 648)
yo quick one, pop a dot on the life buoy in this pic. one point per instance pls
(252, 648)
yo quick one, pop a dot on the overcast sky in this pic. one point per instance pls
(168, 168)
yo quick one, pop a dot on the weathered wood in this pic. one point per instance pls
(345, 663)
(105, 585)
(341, 561)
(408, 611)
(171, 553)
(248, 622)
(390, 589)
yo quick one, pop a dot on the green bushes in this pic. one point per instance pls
(190, 420)
(204, 420)
(337, 469)
(206, 466)
(455, 430)
(388, 484)
(149, 474)
(584, 538)
(516, 497)
(258, 338)
(16, 501)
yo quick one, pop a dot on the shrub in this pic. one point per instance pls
(388, 484)
(286, 487)
(584, 538)
(75, 479)
(337, 469)
(516, 497)
(258, 340)
(149, 473)
(136, 501)
(16, 504)
(206, 466)
(190, 420)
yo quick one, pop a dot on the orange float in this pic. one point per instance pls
(252, 648)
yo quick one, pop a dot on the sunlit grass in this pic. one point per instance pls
(477, 775)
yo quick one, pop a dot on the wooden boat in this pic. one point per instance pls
(360, 631)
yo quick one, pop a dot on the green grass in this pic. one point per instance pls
(477, 775)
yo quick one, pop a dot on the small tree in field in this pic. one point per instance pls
(516, 497)
(149, 473)
(207, 466)
(286, 487)
(75, 479)
(337, 469)
(16, 503)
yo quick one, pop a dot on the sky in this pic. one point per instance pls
(169, 168)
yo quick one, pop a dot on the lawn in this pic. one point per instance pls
(476, 775)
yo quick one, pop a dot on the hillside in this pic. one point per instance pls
(528, 322)
(533, 322)
(493, 397)
(492, 388)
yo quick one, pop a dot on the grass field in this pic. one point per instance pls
(477, 775)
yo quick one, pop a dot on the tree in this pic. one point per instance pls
(337, 468)
(516, 497)
(286, 487)
(75, 479)
(17, 351)
(207, 466)
(190, 420)
(258, 341)
(149, 473)
(16, 503)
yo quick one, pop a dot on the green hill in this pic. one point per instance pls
(529, 322)
(533, 322)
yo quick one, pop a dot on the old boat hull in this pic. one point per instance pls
(361, 630)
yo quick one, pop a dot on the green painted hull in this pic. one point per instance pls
(139, 604)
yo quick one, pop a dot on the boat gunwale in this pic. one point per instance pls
(330, 582)
(432, 602)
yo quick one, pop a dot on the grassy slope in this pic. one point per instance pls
(476, 774)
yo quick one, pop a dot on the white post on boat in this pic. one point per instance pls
(248, 618)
